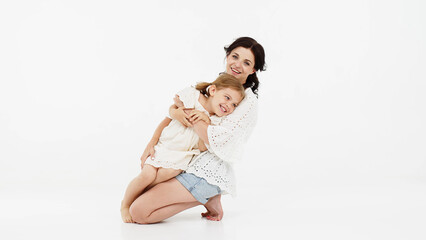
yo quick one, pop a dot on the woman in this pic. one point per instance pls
(210, 174)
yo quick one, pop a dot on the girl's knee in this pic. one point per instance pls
(164, 174)
(148, 173)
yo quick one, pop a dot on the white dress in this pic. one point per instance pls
(226, 140)
(178, 144)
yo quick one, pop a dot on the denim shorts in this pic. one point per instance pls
(198, 187)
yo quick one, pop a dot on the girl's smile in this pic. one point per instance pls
(223, 108)
(224, 101)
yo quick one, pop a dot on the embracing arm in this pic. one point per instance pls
(200, 128)
(176, 111)
(227, 139)
(201, 146)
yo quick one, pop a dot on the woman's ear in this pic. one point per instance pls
(212, 90)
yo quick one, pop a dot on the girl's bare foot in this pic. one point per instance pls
(125, 215)
(214, 209)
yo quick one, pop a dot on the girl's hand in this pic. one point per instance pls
(149, 152)
(177, 101)
(180, 115)
(196, 116)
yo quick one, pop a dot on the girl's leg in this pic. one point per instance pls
(164, 174)
(161, 202)
(135, 188)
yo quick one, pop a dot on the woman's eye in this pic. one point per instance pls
(247, 63)
(234, 56)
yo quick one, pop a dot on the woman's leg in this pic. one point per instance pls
(214, 209)
(135, 188)
(161, 202)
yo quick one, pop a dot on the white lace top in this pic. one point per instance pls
(226, 145)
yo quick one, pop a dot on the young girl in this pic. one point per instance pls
(178, 144)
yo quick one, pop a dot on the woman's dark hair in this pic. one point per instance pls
(259, 59)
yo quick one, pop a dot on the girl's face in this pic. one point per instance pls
(240, 63)
(224, 101)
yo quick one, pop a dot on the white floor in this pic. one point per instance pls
(391, 209)
(83, 85)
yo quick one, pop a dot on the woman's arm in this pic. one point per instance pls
(200, 128)
(226, 140)
(200, 122)
(201, 146)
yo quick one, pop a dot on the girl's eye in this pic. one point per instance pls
(235, 105)
(227, 98)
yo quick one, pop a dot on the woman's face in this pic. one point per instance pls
(240, 63)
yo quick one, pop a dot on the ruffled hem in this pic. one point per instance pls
(166, 165)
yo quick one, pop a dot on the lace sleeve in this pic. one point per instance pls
(227, 139)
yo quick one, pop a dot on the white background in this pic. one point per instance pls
(338, 151)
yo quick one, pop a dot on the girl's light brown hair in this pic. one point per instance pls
(223, 81)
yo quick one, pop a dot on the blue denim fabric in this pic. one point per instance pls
(198, 187)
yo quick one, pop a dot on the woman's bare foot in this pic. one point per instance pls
(214, 209)
(125, 215)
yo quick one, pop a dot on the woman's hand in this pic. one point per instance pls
(196, 116)
(149, 152)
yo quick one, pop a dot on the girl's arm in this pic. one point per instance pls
(149, 150)
(199, 121)
(178, 113)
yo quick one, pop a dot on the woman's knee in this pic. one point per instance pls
(138, 213)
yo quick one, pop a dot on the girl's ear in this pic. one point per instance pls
(212, 90)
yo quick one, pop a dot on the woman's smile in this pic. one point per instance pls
(235, 71)
(240, 63)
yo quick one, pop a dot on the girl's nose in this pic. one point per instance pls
(230, 107)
